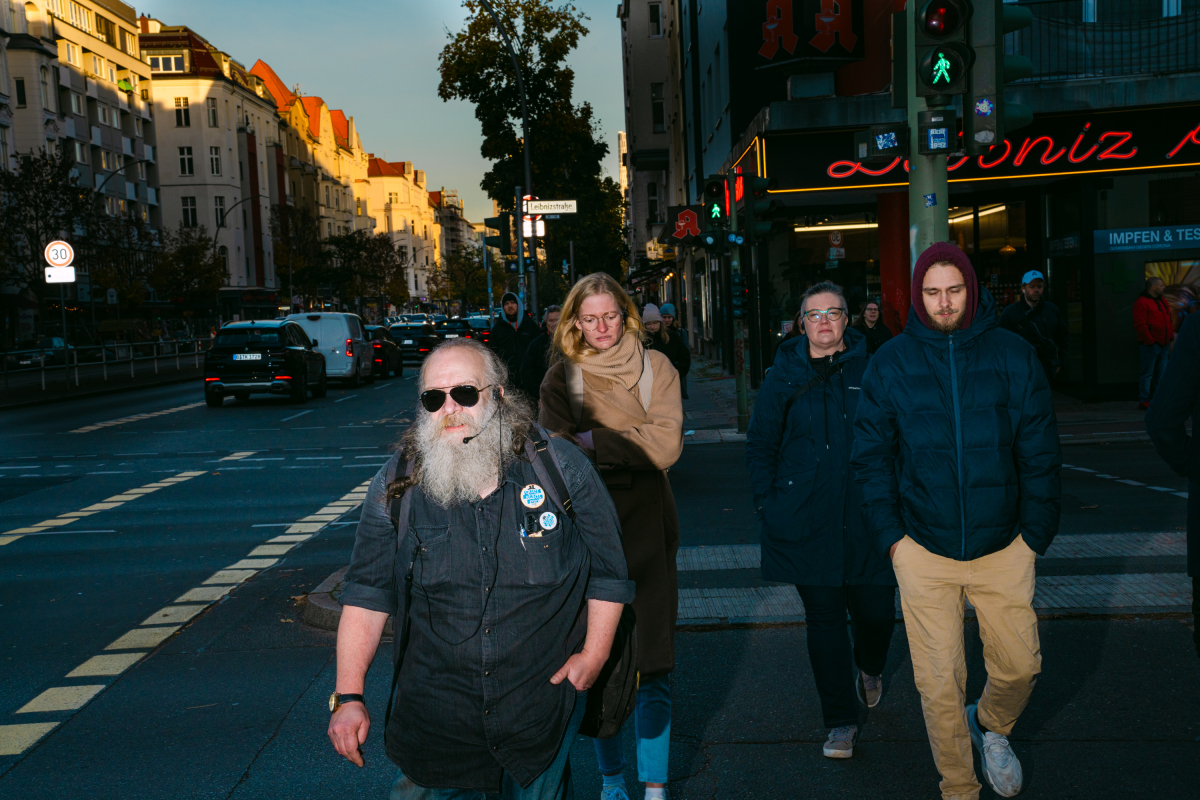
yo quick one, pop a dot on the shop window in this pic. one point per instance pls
(962, 228)
(1002, 256)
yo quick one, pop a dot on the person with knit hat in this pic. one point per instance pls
(957, 451)
(512, 333)
(668, 342)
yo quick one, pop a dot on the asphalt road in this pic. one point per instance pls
(232, 705)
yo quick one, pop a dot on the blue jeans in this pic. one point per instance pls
(652, 729)
(1154, 364)
(553, 784)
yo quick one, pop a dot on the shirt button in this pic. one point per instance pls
(486, 673)
(486, 712)
(485, 549)
(487, 630)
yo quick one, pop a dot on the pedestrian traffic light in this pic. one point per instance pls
(716, 207)
(944, 57)
(503, 241)
(738, 294)
(759, 208)
(987, 116)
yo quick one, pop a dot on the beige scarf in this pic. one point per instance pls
(621, 363)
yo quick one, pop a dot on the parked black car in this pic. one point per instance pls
(389, 360)
(415, 340)
(263, 357)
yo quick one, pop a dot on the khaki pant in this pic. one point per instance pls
(933, 591)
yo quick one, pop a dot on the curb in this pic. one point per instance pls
(97, 393)
(321, 608)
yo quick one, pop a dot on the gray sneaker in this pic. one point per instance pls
(840, 743)
(870, 689)
(1000, 764)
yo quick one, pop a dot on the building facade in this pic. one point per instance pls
(406, 212)
(217, 129)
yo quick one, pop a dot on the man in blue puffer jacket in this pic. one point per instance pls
(957, 452)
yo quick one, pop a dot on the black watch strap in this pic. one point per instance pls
(342, 699)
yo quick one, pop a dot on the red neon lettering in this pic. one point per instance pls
(1191, 137)
(906, 165)
(1074, 159)
(998, 161)
(1028, 146)
(778, 29)
(845, 169)
(883, 171)
(1122, 138)
(833, 20)
(686, 224)
(961, 161)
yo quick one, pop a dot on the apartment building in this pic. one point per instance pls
(29, 121)
(400, 195)
(217, 128)
(454, 228)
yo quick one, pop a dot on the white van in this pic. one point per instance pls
(340, 338)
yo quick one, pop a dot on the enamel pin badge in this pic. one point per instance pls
(532, 496)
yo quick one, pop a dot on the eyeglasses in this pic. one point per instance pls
(610, 319)
(831, 314)
(466, 396)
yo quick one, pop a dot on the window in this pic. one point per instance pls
(3, 147)
(327, 196)
(54, 7)
(223, 254)
(393, 197)
(47, 97)
(142, 171)
(656, 26)
(214, 160)
(189, 212)
(73, 55)
(76, 103)
(106, 160)
(219, 209)
(185, 161)
(79, 17)
(102, 113)
(112, 73)
(658, 108)
(137, 125)
(128, 42)
(166, 63)
(81, 153)
(183, 116)
(1172, 8)
(106, 31)
(19, 84)
(212, 111)
(97, 66)
(652, 201)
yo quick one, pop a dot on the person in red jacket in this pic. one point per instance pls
(1155, 332)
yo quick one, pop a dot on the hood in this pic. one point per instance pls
(791, 359)
(985, 319)
(941, 253)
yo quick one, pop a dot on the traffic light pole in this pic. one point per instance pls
(739, 331)
(487, 271)
(928, 186)
(520, 213)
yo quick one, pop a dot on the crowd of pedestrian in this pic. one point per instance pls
(925, 464)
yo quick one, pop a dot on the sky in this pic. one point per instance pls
(377, 61)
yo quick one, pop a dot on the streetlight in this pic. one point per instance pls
(217, 232)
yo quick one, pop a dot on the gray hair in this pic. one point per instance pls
(495, 372)
(824, 287)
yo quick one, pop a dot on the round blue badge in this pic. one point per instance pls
(548, 521)
(532, 496)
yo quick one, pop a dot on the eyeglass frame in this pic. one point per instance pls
(448, 392)
(621, 315)
(824, 314)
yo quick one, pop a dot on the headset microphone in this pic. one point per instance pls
(496, 397)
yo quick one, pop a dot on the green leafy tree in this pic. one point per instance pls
(189, 267)
(461, 276)
(302, 260)
(368, 265)
(567, 150)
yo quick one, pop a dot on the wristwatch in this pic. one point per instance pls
(336, 700)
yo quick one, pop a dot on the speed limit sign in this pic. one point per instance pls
(59, 254)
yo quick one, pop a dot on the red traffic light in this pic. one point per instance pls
(940, 19)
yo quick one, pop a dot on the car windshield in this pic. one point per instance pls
(478, 322)
(247, 336)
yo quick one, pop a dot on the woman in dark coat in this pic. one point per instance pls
(813, 535)
(872, 327)
(668, 342)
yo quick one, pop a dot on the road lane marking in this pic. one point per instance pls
(16, 739)
(134, 418)
(351, 397)
(319, 458)
(61, 698)
(105, 664)
(237, 456)
(13, 535)
(170, 615)
(293, 416)
(143, 638)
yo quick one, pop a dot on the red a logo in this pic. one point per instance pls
(833, 20)
(778, 28)
(686, 224)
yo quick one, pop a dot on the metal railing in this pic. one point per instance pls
(46, 367)
(1077, 39)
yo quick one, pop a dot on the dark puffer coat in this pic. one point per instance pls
(955, 441)
(813, 532)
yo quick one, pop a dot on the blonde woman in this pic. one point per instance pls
(621, 402)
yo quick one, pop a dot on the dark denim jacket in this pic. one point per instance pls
(494, 615)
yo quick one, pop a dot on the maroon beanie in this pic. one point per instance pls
(944, 253)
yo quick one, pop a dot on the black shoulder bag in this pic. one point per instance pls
(398, 509)
(611, 700)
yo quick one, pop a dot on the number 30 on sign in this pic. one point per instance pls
(59, 256)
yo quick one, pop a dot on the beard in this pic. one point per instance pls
(947, 324)
(452, 472)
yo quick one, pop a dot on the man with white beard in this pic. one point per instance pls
(511, 605)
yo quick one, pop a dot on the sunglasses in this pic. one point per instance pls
(465, 396)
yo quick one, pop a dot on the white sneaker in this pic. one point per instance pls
(870, 689)
(1000, 764)
(840, 743)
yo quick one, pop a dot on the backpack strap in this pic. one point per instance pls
(549, 471)
(796, 395)
(399, 509)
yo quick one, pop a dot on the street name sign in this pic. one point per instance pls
(551, 206)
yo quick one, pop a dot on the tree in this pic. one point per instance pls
(301, 258)
(367, 266)
(122, 252)
(566, 149)
(461, 276)
(189, 266)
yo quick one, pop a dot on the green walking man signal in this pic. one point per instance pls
(941, 69)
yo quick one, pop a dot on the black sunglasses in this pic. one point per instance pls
(465, 396)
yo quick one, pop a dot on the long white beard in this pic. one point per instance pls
(453, 472)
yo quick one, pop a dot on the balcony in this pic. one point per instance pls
(127, 145)
(148, 152)
(151, 195)
(1089, 39)
(130, 190)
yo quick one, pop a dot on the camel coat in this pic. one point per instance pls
(634, 449)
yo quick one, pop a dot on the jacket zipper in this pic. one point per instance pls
(962, 512)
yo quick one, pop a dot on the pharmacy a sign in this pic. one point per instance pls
(1130, 240)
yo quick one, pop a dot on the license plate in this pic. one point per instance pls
(408, 341)
(247, 356)
(451, 335)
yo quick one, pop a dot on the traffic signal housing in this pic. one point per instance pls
(502, 241)
(716, 207)
(759, 209)
(987, 115)
(944, 56)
